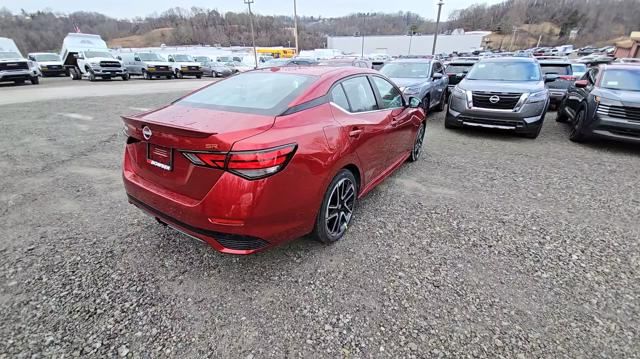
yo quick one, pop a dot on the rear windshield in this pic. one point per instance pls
(458, 68)
(556, 69)
(263, 93)
(505, 71)
(626, 80)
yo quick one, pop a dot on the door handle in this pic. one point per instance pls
(355, 133)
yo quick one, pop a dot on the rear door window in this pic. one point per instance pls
(339, 98)
(360, 94)
(556, 69)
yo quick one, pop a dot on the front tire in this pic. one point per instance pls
(417, 143)
(92, 76)
(577, 127)
(336, 211)
(125, 77)
(426, 104)
(35, 80)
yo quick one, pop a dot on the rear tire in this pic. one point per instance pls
(336, 211)
(440, 106)
(418, 143)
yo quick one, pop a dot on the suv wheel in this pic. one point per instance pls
(337, 208)
(577, 127)
(146, 75)
(35, 80)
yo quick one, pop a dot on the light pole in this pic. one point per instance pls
(253, 37)
(435, 36)
(295, 24)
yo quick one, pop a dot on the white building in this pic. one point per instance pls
(396, 45)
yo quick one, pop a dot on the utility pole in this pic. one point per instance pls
(410, 39)
(253, 37)
(435, 36)
(364, 22)
(539, 39)
(513, 38)
(295, 24)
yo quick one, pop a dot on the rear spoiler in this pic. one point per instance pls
(135, 125)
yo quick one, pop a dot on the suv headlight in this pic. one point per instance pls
(94, 64)
(458, 92)
(409, 90)
(607, 101)
(538, 96)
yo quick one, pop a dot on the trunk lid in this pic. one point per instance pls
(177, 128)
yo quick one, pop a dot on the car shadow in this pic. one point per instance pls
(490, 133)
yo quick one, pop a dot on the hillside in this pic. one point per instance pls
(154, 37)
(598, 21)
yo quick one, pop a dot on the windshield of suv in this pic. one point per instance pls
(617, 79)
(150, 56)
(264, 93)
(9, 55)
(92, 54)
(458, 68)
(47, 57)
(183, 58)
(412, 70)
(556, 69)
(505, 71)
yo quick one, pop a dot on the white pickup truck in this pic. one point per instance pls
(86, 55)
(184, 65)
(14, 67)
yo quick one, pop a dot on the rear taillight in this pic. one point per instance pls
(247, 164)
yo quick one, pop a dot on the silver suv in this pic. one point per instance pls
(505, 93)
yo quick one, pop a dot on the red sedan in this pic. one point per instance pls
(270, 155)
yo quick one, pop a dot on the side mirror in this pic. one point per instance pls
(414, 102)
(437, 76)
(137, 59)
(581, 84)
(119, 58)
(32, 58)
(171, 59)
(550, 78)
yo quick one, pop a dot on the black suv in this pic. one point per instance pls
(605, 102)
(561, 66)
(457, 69)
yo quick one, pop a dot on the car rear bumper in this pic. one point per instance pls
(616, 128)
(235, 216)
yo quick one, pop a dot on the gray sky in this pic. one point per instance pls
(326, 8)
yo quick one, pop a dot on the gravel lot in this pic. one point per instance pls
(490, 246)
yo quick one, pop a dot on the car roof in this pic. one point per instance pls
(620, 67)
(424, 61)
(43, 53)
(508, 59)
(555, 62)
